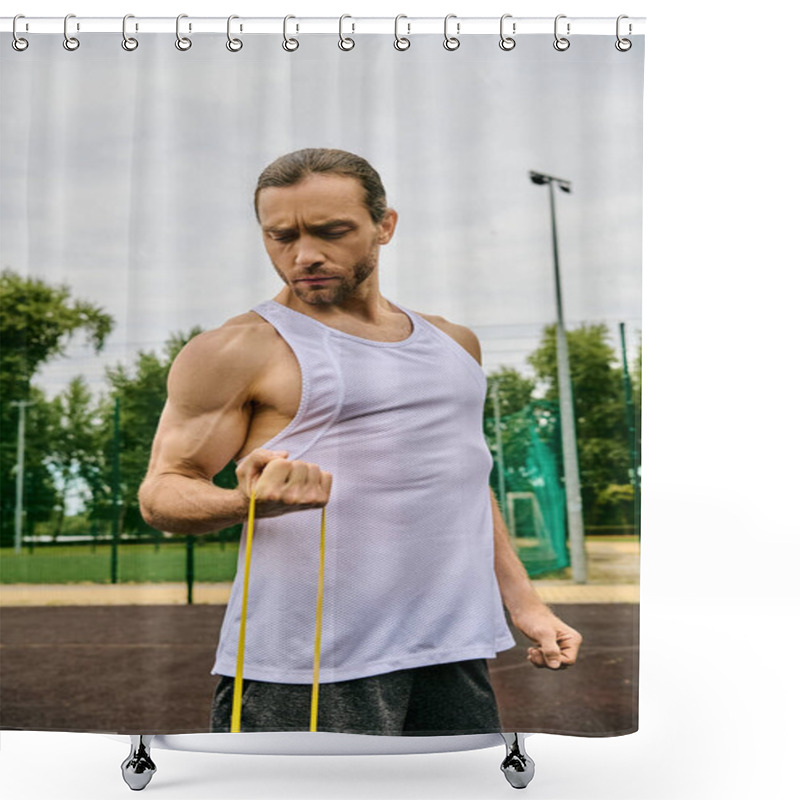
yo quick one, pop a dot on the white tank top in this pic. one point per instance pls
(409, 568)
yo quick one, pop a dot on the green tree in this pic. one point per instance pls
(514, 392)
(75, 454)
(43, 499)
(37, 321)
(599, 403)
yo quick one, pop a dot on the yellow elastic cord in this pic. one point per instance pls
(236, 715)
(318, 631)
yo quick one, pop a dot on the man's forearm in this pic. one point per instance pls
(555, 644)
(180, 504)
(516, 588)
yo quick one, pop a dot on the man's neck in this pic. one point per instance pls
(370, 316)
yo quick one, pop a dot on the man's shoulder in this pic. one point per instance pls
(460, 333)
(235, 349)
(237, 332)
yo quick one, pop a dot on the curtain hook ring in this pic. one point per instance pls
(623, 45)
(234, 45)
(345, 42)
(451, 42)
(507, 42)
(561, 43)
(401, 42)
(290, 45)
(70, 42)
(129, 43)
(182, 42)
(18, 43)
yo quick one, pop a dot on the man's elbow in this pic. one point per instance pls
(147, 503)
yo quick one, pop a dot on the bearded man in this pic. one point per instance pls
(331, 395)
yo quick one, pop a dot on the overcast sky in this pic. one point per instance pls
(129, 176)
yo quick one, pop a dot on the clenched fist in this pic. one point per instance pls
(280, 485)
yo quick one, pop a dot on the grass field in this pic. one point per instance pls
(146, 563)
(137, 563)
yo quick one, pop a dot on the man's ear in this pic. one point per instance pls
(386, 226)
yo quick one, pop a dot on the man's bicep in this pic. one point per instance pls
(194, 443)
(204, 422)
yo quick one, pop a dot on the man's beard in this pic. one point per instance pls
(335, 292)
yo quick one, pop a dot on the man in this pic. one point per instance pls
(330, 395)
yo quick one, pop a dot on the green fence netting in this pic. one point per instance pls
(530, 493)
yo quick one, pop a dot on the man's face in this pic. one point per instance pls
(321, 239)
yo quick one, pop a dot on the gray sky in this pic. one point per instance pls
(129, 176)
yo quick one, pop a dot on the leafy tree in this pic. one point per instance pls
(614, 502)
(42, 497)
(37, 320)
(599, 403)
(75, 453)
(514, 392)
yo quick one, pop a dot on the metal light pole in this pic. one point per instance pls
(18, 508)
(569, 443)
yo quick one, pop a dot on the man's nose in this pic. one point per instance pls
(308, 251)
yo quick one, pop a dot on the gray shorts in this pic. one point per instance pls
(441, 700)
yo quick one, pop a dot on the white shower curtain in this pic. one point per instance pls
(128, 222)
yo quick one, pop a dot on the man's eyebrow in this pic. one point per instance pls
(322, 226)
(334, 223)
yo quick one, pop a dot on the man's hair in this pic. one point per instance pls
(294, 167)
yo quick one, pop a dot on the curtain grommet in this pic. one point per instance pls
(18, 42)
(183, 43)
(561, 43)
(451, 43)
(129, 43)
(345, 42)
(234, 45)
(289, 44)
(507, 42)
(401, 43)
(70, 43)
(623, 45)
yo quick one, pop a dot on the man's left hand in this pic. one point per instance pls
(556, 645)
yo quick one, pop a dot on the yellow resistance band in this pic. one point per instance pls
(236, 715)
(318, 631)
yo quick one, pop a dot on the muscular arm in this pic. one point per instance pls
(556, 645)
(204, 425)
(516, 588)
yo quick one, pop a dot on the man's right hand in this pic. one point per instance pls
(280, 485)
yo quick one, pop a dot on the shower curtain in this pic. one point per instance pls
(128, 228)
